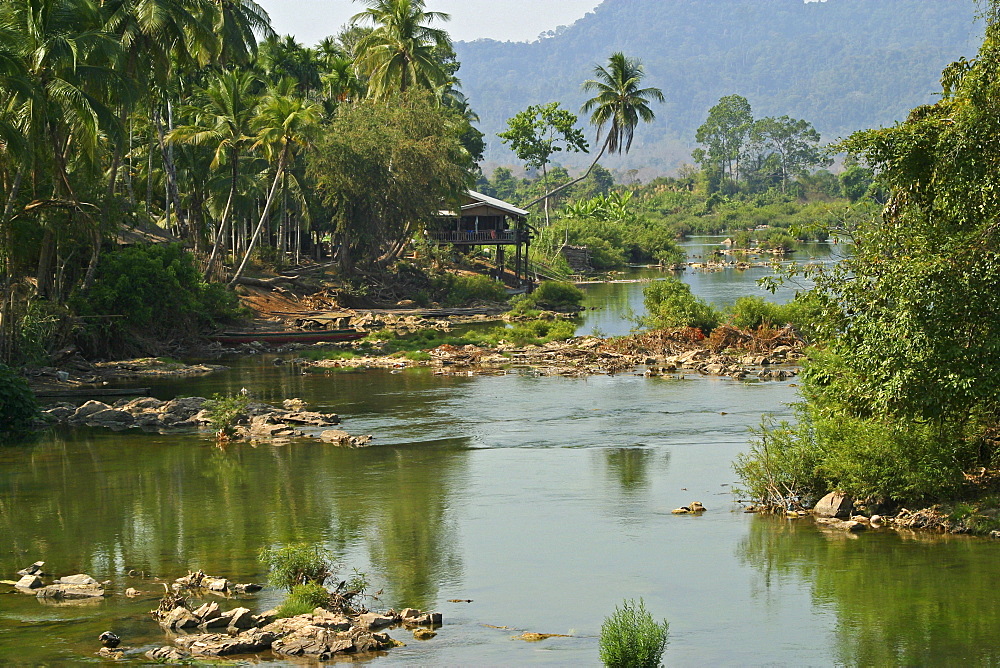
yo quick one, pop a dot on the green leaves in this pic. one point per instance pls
(542, 130)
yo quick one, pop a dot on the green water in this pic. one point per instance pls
(544, 500)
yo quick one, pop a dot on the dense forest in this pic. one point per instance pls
(842, 64)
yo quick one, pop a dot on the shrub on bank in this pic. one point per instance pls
(631, 638)
(460, 290)
(18, 408)
(152, 291)
(298, 564)
(671, 305)
(803, 313)
(303, 599)
(553, 296)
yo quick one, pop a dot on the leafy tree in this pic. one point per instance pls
(724, 134)
(908, 398)
(384, 171)
(540, 131)
(794, 143)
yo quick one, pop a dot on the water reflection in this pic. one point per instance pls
(630, 467)
(891, 609)
(178, 503)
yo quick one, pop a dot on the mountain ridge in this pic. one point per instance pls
(843, 65)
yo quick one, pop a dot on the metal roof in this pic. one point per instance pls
(481, 199)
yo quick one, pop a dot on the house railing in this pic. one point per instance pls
(470, 236)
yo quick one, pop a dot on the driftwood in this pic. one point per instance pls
(269, 283)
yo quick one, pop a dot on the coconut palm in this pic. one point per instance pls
(399, 53)
(284, 123)
(222, 112)
(69, 77)
(618, 107)
(619, 104)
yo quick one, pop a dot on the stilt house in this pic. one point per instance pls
(487, 221)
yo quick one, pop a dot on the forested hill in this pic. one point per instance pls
(844, 65)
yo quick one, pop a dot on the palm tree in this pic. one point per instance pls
(68, 71)
(283, 123)
(222, 113)
(399, 52)
(618, 106)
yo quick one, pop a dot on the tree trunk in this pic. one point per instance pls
(173, 197)
(263, 215)
(547, 195)
(226, 213)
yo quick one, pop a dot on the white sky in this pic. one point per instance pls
(514, 20)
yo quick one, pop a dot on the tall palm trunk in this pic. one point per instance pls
(220, 233)
(263, 215)
(547, 195)
(173, 196)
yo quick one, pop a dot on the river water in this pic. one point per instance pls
(545, 501)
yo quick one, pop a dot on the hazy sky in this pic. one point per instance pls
(516, 20)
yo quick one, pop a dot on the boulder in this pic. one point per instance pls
(834, 504)
(28, 583)
(59, 413)
(179, 618)
(33, 569)
(167, 654)
(207, 611)
(214, 584)
(70, 591)
(89, 408)
(242, 618)
(423, 634)
(79, 579)
(111, 417)
(373, 620)
(217, 644)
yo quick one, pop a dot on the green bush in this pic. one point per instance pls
(670, 305)
(461, 290)
(225, 411)
(297, 564)
(136, 287)
(631, 638)
(895, 461)
(804, 313)
(303, 599)
(17, 404)
(552, 296)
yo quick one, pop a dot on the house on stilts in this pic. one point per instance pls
(487, 221)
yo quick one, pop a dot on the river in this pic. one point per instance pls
(546, 501)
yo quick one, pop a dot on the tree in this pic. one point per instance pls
(283, 123)
(222, 113)
(907, 398)
(619, 105)
(540, 131)
(399, 53)
(385, 171)
(723, 134)
(794, 142)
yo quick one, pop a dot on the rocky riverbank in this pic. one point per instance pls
(250, 421)
(654, 354)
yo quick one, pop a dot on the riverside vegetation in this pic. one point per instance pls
(900, 406)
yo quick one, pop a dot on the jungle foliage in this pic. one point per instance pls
(907, 399)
